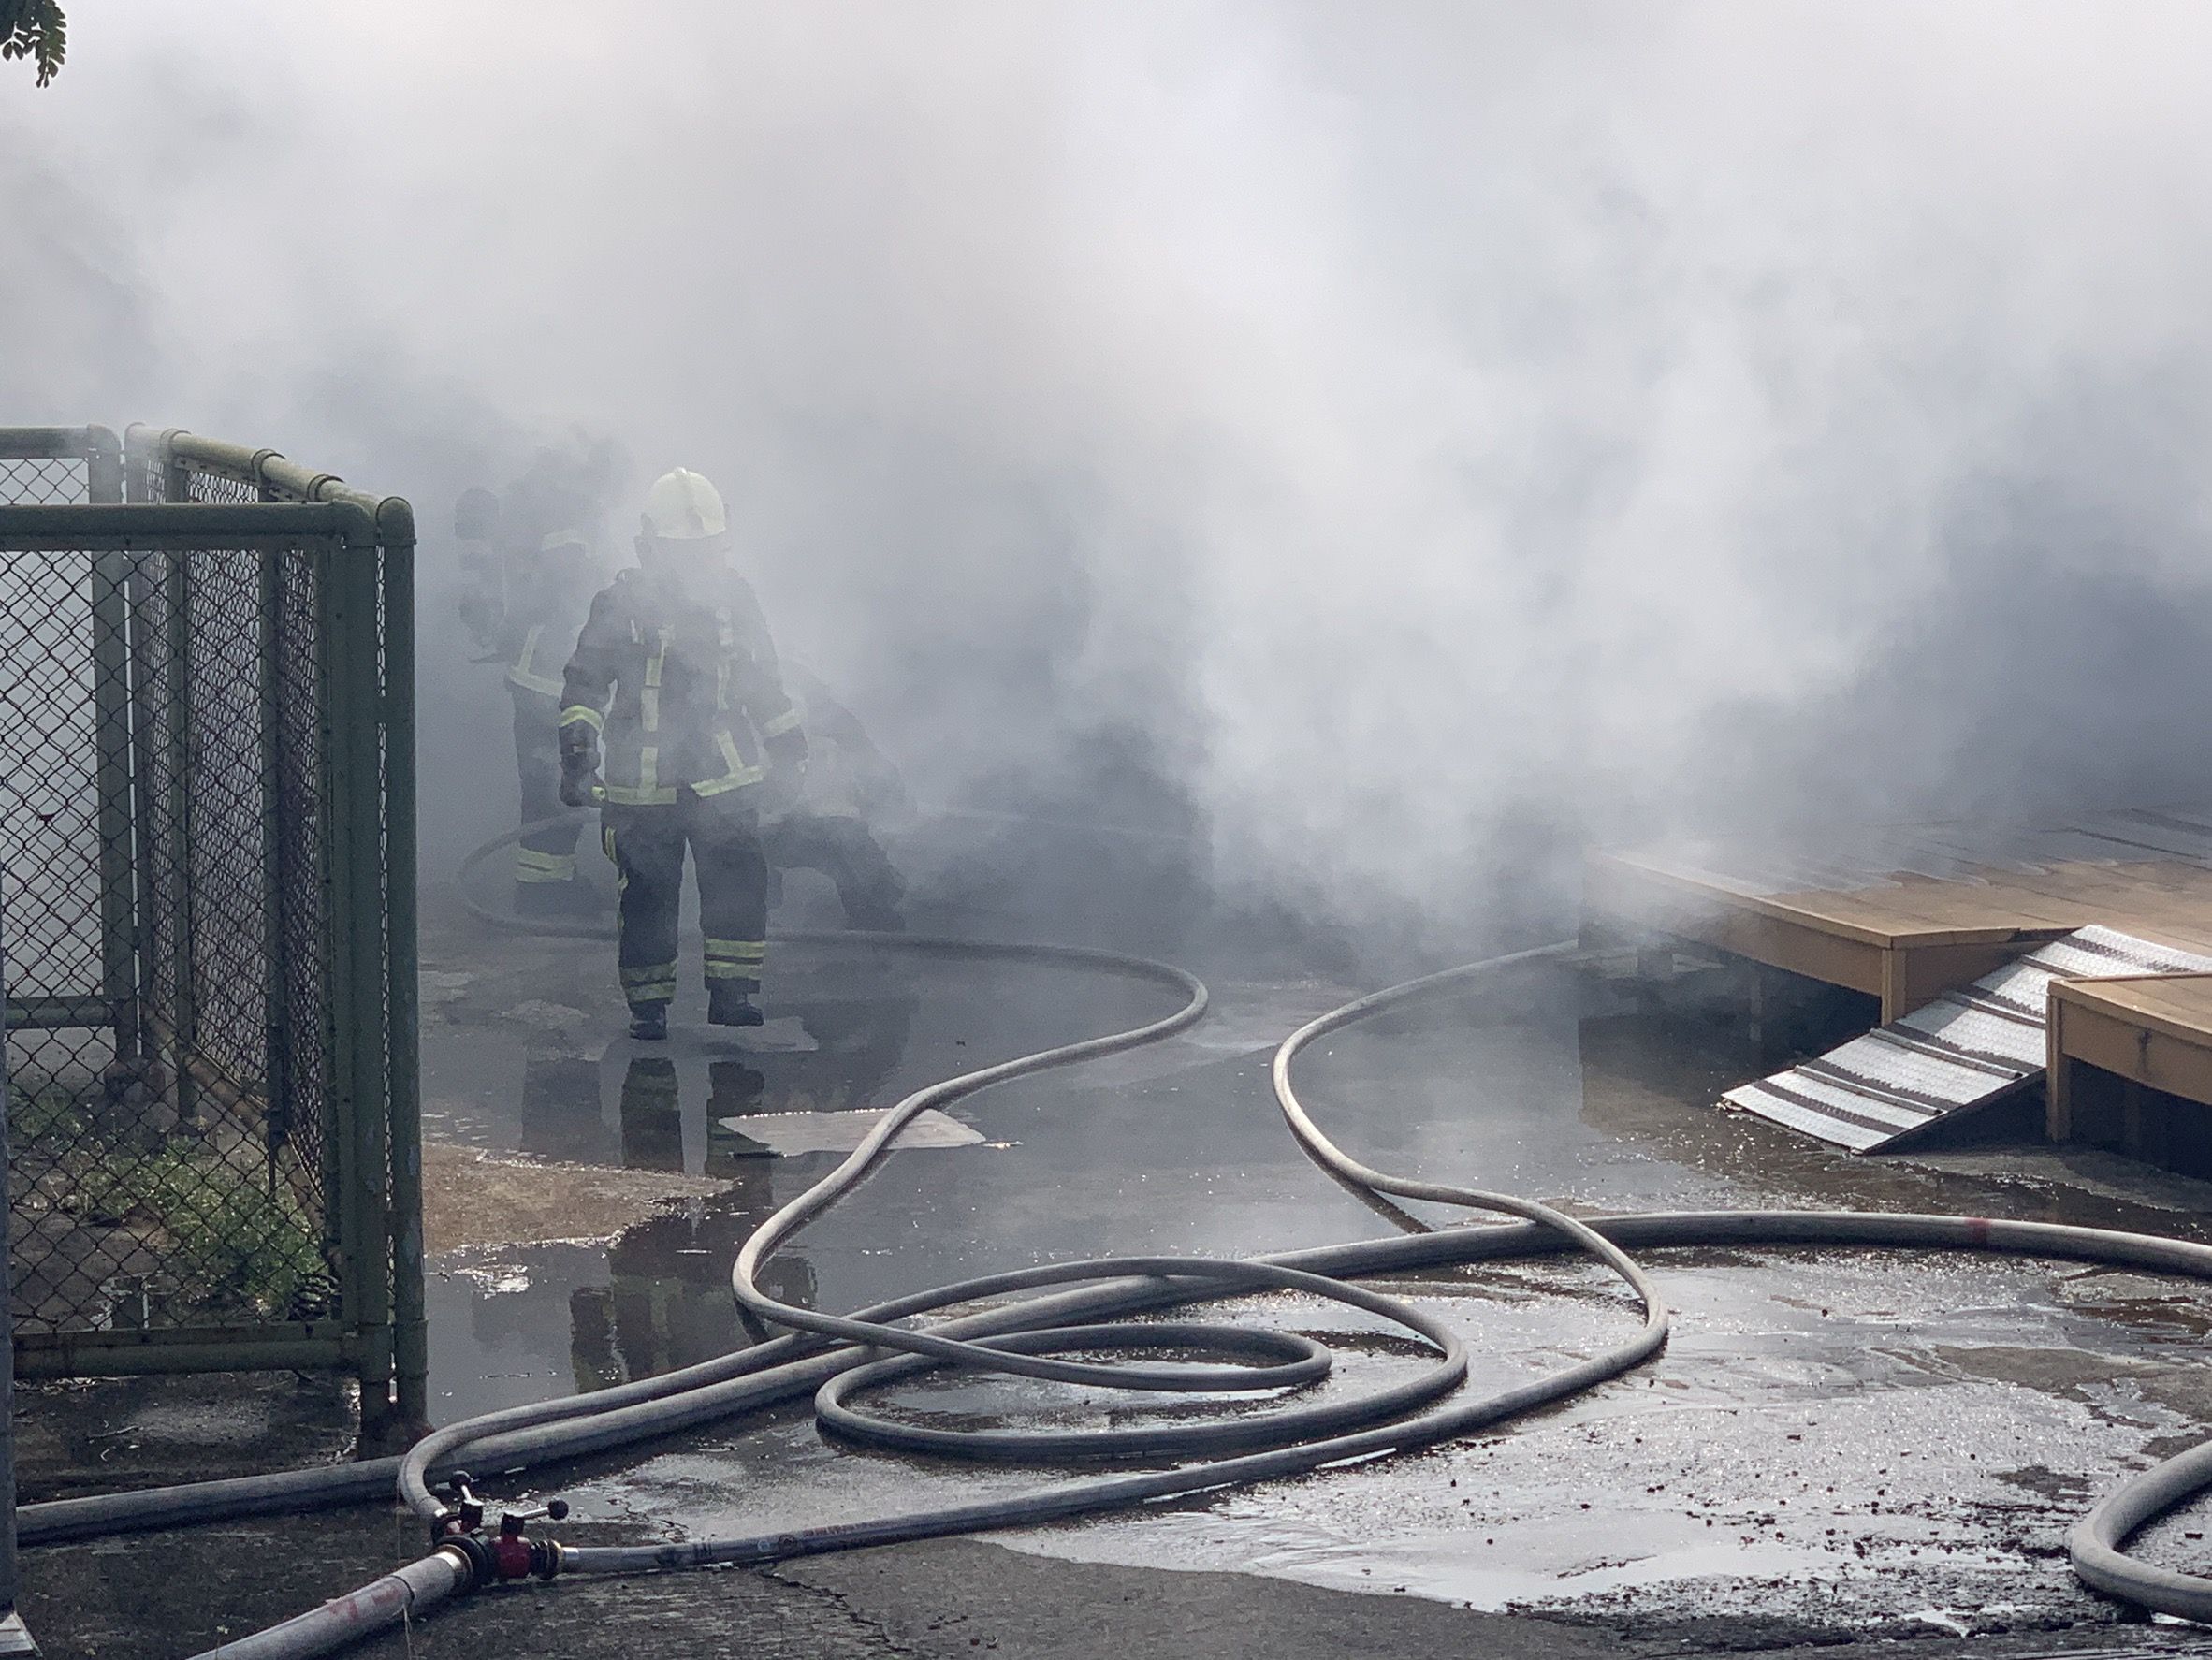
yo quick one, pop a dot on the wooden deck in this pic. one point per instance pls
(1907, 914)
(2151, 1033)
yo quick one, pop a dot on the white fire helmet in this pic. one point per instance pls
(684, 507)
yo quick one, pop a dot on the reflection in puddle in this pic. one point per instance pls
(658, 1296)
(496, 1279)
(666, 1303)
(836, 1052)
(655, 1297)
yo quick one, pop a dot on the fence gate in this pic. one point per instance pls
(207, 888)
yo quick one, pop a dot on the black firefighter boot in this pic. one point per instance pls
(730, 1004)
(648, 1020)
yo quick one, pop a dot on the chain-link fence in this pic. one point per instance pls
(207, 870)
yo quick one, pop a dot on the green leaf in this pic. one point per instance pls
(36, 30)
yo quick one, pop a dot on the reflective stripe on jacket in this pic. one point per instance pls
(546, 606)
(681, 679)
(524, 670)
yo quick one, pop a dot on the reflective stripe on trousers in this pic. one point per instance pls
(736, 959)
(649, 983)
(531, 866)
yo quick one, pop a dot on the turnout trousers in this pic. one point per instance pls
(548, 853)
(647, 846)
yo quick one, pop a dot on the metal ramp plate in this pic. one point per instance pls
(1967, 1050)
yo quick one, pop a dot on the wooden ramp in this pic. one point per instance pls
(1968, 1049)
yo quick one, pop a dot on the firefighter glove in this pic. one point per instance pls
(580, 788)
(579, 767)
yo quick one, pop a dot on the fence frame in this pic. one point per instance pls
(363, 549)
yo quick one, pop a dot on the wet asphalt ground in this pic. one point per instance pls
(1849, 1448)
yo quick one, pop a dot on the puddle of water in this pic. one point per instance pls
(851, 1035)
(1497, 1565)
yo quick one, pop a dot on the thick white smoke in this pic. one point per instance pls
(1417, 433)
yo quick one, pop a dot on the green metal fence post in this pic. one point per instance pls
(14, 1639)
(147, 476)
(276, 968)
(395, 523)
(341, 1144)
(352, 785)
(103, 466)
(110, 577)
(179, 684)
(152, 474)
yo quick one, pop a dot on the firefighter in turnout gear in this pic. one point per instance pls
(675, 720)
(532, 572)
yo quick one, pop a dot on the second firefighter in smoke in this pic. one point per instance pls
(530, 566)
(675, 720)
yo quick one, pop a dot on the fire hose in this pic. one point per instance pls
(1037, 1316)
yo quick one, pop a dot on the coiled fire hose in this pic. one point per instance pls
(1070, 1307)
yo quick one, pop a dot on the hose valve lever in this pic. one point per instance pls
(464, 1516)
(516, 1557)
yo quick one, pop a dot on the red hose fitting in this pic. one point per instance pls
(508, 1555)
(514, 1557)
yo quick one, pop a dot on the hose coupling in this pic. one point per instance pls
(521, 1558)
(510, 1553)
(474, 1554)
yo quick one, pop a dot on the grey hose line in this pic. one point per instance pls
(1453, 1246)
(763, 1381)
(2094, 1546)
(544, 928)
(401, 1594)
(793, 1215)
(1505, 1243)
(1285, 1440)
(1444, 1247)
(1508, 1242)
(2095, 1543)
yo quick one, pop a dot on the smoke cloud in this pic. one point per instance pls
(1399, 443)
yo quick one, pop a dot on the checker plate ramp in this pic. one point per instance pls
(1967, 1050)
